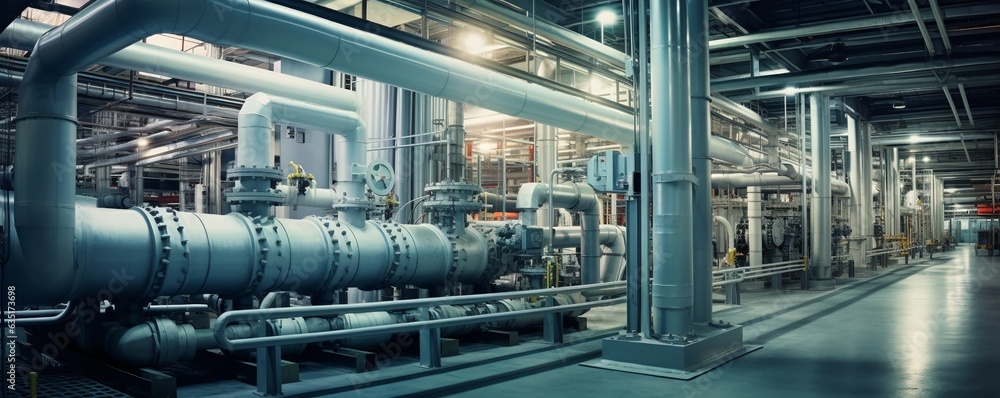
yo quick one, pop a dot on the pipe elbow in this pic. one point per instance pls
(587, 201)
(531, 196)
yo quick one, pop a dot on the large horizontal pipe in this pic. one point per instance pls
(23, 35)
(736, 180)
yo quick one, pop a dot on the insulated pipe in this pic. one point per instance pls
(610, 237)
(730, 235)
(819, 261)
(573, 197)
(673, 182)
(151, 252)
(256, 141)
(313, 197)
(754, 234)
(23, 35)
(110, 94)
(739, 180)
(858, 202)
(701, 160)
(499, 203)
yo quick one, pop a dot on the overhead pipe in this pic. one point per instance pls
(151, 139)
(111, 94)
(166, 149)
(673, 245)
(850, 24)
(23, 35)
(740, 180)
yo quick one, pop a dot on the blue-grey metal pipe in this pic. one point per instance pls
(673, 182)
(701, 130)
(256, 143)
(819, 261)
(23, 35)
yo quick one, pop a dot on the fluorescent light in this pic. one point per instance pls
(789, 91)
(607, 17)
(927, 159)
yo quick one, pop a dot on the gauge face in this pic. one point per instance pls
(380, 177)
(778, 231)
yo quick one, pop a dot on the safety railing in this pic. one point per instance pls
(268, 343)
(736, 275)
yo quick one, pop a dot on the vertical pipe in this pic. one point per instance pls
(867, 210)
(754, 234)
(800, 122)
(700, 159)
(893, 197)
(857, 200)
(673, 245)
(455, 133)
(819, 263)
(545, 151)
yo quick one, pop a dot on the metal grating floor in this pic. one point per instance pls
(61, 381)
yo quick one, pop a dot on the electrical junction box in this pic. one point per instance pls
(532, 238)
(610, 172)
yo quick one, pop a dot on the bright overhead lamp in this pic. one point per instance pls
(607, 17)
(927, 159)
(474, 42)
(898, 104)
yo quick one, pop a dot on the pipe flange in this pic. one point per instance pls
(394, 245)
(270, 196)
(260, 269)
(159, 220)
(337, 234)
(348, 204)
(243, 171)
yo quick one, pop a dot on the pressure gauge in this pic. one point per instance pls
(380, 177)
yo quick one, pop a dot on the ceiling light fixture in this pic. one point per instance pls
(607, 17)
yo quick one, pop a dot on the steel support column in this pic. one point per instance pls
(673, 182)
(820, 272)
(701, 131)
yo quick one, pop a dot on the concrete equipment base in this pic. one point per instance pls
(822, 284)
(682, 360)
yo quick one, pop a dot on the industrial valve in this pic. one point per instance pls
(299, 179)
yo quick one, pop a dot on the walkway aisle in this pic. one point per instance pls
(929, 330)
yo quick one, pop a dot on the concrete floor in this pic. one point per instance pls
(925, 330)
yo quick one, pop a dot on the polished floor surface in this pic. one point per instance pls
(928, 329)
